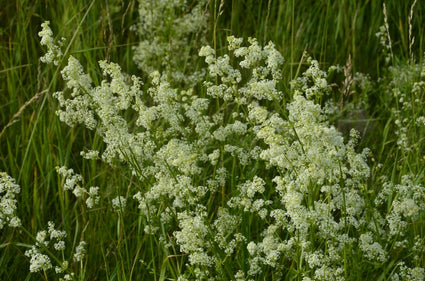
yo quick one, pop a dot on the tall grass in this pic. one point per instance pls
(33, 141)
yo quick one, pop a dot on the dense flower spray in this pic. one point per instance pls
(8, 202)
(241, 152)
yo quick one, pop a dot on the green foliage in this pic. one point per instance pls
(244, 175)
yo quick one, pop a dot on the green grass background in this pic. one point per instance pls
(34, 141)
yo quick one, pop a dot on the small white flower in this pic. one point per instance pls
(41, 238)
(8, 204)
(62, 267)
(54, 233)
(54, 52)
(372, 250)
(90, 154)
(80, 251)
(93, 198)
(67, 277)
(59, 246)
(118, 203)
(252, 248)
(40, 262)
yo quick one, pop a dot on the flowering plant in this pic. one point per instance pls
(198, 153)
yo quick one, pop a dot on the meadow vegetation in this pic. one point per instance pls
(212, 140)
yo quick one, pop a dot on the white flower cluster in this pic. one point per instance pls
(118, 203)
(170, 31)
(90, 154)
(40, 261)
(405, 273)
(80, 251)
(407, 201)
(8, 203)
(76, 110)
(313, 81)
(264, 70)
(199, 161)
(192, 238)
(372, 250)
(385, 42)
(39, 253)
(225, 231)
(54, 52)
(73, 182)
(245, 200)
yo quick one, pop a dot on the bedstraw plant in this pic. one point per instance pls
(230, 172)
